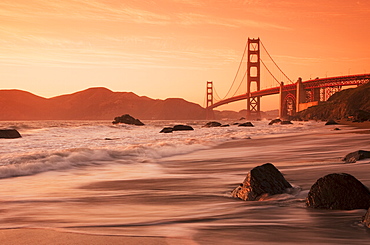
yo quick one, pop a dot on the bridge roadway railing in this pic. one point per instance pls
(309, 84)
(336, 81)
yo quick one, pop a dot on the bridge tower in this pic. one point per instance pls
(209, 93)
(209, 112)
(253, 78)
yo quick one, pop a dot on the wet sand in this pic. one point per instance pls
(47, 237)
(359, 125)
(311, 156)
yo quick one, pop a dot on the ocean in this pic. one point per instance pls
(94, 177)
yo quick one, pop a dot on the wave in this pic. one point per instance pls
(58, 145)
(34, 163)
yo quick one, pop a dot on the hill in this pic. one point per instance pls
(93, 104)
(353, 103)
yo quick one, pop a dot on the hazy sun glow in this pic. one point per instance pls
(170, 48)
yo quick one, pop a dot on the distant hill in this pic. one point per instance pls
(353, 103)
(93, 104)
(103, 104)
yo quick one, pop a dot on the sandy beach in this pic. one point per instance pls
(44, 237)
(302, 158)
(362, 125)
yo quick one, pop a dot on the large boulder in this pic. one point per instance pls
(366, 219)
(9, 134)
(355, 156)
(260, 181)
(247, 124)
(212, 124)
(338, 191)
(127, 119)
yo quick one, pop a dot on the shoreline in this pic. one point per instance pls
(302, 171)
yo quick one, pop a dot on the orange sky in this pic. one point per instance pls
(170, 48)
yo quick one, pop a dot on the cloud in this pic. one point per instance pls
(94, 10)
(41, 32)
(202, 19)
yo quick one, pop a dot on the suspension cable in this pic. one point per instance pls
(274, 62)
(240, 84)
(263, 63)
(219, 98)
(237, 72)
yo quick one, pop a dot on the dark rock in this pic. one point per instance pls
(366, 219)
(336, 129)
(286, 122)
(338, 191)
(242, 118)
(167, 130)
(127, 119)
(262, 180)
(275, 121)
(212, 124)
(182, 128)
(247, 124)
(355, 156)
(225, 125)
(331, 122)
(9, 134)
(176, 128)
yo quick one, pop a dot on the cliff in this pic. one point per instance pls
(353, 103)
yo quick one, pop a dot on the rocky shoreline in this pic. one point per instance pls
(352, 105)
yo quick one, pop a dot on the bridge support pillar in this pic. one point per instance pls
(315, 94)
(253, 78)
(300, 94)
(281, 101)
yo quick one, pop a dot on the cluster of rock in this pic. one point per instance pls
(338, 191)
(217, 124)
(279, 121)
(9, 134)
(246, 124)
(127, 119)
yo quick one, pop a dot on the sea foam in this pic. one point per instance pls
(59, 145)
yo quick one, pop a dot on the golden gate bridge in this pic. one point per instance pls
(294, 96)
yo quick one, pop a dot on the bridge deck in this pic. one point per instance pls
(309, 84)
